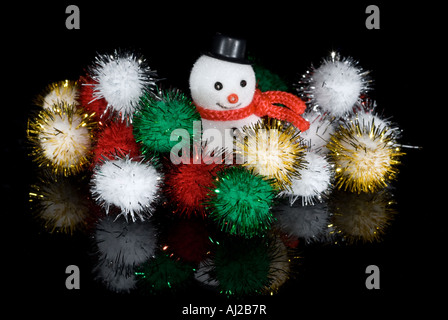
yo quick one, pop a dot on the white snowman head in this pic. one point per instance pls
(223, 79)
(221, 85)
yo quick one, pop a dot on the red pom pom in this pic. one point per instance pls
(116, 138)
(88, 101)
(188, 184)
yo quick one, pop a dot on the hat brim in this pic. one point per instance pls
(229, 59)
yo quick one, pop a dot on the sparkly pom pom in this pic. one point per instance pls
(240, 202)
(130, 185)
(314, 181)
(121, 79)
(335, 86)
(89, 102)
(158, 120)
(273, 150)
(61, 138)
(59, 92)
(187, 185)
(115, 139)
(124, 245)
(365, 154)
(319, 133)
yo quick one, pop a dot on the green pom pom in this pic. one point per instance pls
(162, 274)
(241, 201)
(267, 80)
(242, 267)
(157, 118)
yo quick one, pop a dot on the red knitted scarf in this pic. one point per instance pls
(264, 104)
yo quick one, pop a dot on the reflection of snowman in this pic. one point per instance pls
(223, 80)
(223, 88)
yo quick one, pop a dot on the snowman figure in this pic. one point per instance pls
(223, 89)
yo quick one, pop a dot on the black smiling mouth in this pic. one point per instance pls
(228, 108)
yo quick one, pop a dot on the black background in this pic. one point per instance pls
(286, 38)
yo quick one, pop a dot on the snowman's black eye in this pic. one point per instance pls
(243, 83)
(218, 85)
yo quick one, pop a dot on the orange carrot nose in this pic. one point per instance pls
(232, 98)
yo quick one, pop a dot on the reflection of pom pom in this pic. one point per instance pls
(188, 184)
(188, 240)
(157, 118)
(314, 180)
(310, 223)
(203, 274)
(117, 281)
(59, 92)
(271, 150)
(121, 79)
(130, 185)
(242, 267)
(60, 203)
(335, 86)
(162, 273)
(116, 138)
(279, 268)
(124, 245)
(240, 202)
(61, 137)
(362, 217)
(365, 155)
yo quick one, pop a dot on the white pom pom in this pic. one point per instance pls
(125, 245)
(130, 185)
(319, 133)
(335, 86)
(122, 79)
(314, 180)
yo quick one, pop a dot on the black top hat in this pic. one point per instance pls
(229, 49)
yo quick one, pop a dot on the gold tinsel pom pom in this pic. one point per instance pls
(365, 154)
(61, 138)
(58, 92)
(271, 149)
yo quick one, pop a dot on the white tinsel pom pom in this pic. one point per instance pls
(314, 180)
(319, 133)
(335, 86)
(124, 245)
(121, 79)
(130, 185)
